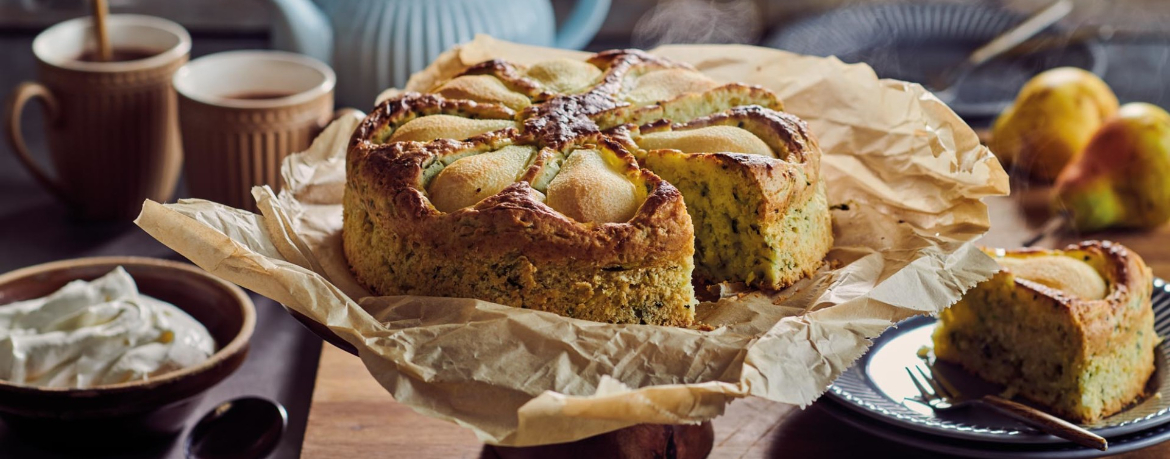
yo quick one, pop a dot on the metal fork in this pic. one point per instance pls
(943, 84)
(940, 395)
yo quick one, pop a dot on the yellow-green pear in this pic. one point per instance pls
(1122, 179)
(1051, 121)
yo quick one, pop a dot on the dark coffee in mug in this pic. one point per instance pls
(118, 55)
(242, 113)
(259, 95)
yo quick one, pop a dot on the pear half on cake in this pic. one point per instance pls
(585, 188)
(1070, 329)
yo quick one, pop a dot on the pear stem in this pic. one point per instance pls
(1054, 225)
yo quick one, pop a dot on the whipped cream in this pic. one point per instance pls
(97, 333)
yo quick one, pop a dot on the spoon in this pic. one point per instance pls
(100, 11)
(244, 428)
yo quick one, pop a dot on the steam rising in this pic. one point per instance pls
(699, 21)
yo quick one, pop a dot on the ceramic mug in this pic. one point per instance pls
(242, 112)
(111, 126)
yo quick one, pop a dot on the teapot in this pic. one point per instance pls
(377, 44)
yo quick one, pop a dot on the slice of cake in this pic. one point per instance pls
(1070, 329)
(759, 209)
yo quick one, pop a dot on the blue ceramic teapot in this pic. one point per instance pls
(378, 44)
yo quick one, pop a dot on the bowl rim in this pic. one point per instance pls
(237, 344)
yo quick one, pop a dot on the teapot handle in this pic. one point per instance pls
(301, 27)
(582, 24)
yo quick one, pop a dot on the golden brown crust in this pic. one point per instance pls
(1128, 276)
(786, 184)
(690, 106)
(387, 204)
(1130, 283)
(511, 76)
(515, 219)
(1101, 334)
(788, 136)
(393, 113)
(397, 170)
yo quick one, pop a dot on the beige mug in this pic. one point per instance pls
(111, 126)
(242, 112)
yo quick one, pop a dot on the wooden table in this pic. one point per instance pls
(352, 416)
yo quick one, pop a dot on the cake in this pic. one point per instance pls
(1070, 329)
(595, 189)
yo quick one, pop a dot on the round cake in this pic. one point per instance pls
(594, 189)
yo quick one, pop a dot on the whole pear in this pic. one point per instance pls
(1122, 179)
(1051, 121)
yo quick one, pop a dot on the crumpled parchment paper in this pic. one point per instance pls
(906, 176)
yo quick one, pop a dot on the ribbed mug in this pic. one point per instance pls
(242, 112)
(111, 126)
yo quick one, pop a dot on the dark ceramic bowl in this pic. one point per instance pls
(141, 410)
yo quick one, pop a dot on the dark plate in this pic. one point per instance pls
(913, 42)
(984, 450)
(877, 386)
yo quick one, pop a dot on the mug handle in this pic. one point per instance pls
(20, 97)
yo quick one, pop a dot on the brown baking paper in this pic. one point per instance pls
(905, 173)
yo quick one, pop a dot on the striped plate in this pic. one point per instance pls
(914, 41)
(877, 386)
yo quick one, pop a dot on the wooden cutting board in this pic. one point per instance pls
(351, 416)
